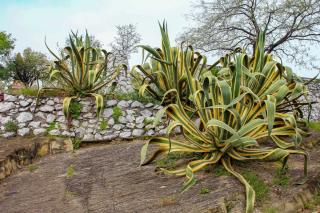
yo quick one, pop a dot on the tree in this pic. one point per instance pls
(291, 26)
(124, 43)
(6, 43)
(27, 67)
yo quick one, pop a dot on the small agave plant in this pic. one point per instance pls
(239, 105)
(81, 71)
(164, 71)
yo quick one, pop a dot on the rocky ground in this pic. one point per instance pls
(106, 178)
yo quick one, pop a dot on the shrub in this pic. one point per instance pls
(116, 113)
(75, 109)
(11, 126)
(242, 103)
(134, 95)
(103, 125)
(52, 126)
(82, 71)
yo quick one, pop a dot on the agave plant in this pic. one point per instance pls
(236, 109)
(259, 79)
(82, 70)
(165, 72)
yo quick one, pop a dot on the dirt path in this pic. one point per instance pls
(107, 179)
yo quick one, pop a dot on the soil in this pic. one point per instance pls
(107, 178)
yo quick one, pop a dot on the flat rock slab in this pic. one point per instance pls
(107, 179)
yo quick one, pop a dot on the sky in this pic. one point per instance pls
(30, 21)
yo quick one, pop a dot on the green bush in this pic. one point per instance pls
(116, 113)
(103, 125)
(11, 126)
(134, 95)
(75, 109)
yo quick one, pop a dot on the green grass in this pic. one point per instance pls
(11, 126)
(75, 109)
(270, 210)
(116, 113)
(219, 170)
(281, 178)
(32, 168)
(312, 205)
(76, 142)
(169, 161)
(147, 121)
(52, 126)
(70, 171)
(103, 125)
(257, 184)
(204, 191)
(314, 125)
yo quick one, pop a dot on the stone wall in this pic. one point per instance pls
(48, 118)
(135, 120)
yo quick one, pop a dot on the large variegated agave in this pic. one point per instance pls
(166, 71)
(81, 71)
(236, 109)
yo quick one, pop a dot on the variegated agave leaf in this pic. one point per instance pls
(82, 70)
(235, 111)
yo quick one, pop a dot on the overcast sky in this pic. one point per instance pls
(29, 21)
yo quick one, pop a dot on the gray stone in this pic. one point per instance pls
(150, 132)
(4, 120)
(9, 98)
(75, 123)
(130, 112)
(146, 113)
(92, 121)
(118, 126)
(130, 125)
(50, 102)
(122, 120)
(163, 132)
(54, 132)
(111, 103)
(24, 117)
(139, 119)
(56, 100)
(23, 131)
(40, 131)
(123, 104)
(24, 103)
(21, 125)
(140, 125)
(90, 130)
(6, 106)
(136, 104)
(40, 115)
(58, 107)
(97, 136)
(61, 119)
(46, 108)
(88, 137)
(111, 122)
(34, 124)
(137, 132)
(107, 113)
(149, 105)
(130, 118)
(125, 135)
(150, 126)
(8, 134)
(88, 115)
(109, 137)
(50, 118)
